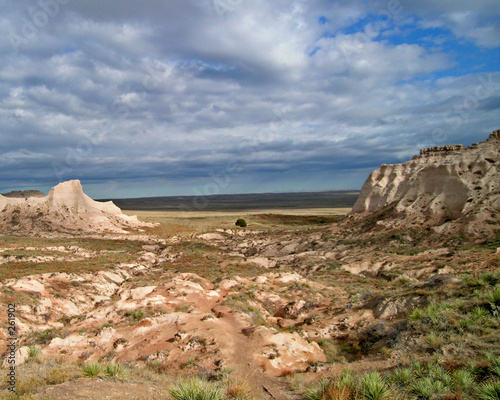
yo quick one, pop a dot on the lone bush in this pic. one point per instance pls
(241, 222)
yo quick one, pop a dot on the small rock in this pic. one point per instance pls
(446, 270)
(211, 236)
(151, 248)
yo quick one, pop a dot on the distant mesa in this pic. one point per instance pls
(66, 209)
(24, 194)
(449, 189)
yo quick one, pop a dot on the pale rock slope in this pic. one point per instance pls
(452, 189)
(66, 209)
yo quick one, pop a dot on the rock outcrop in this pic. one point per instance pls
(66, 209)
(449, 188)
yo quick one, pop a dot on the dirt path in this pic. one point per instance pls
(244, 368)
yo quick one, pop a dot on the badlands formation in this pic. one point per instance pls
(284, 301)
(66, 209)
(452, 189)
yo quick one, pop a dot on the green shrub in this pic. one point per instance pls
(401, 376)
(196, 389)
(319, 392)
(115, 370)
(427, 388)
(489, 391)
(491, 278)
(34, 351)
(56, 376)
(479, 313)
(374, 387)
(494, 297)
(331, 390)
(92, 369)
(28, 386)
(463, 378)
(241, 223)
(495, 364)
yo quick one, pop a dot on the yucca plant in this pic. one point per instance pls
(318, 392)
(115, 370)
(331, 390)
(463, 379)
(373, 387)
(418, 368)
(401, 376)
(495, 364)
(196, 389)
(489, 391)
(479, 313)
(347, 378)
(92, 369)
(440, 374)
(34, 351)
(427, 388)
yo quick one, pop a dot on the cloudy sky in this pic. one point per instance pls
(166, 97)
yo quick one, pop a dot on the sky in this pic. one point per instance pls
(202, 97)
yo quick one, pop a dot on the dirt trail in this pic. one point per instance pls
(243, 365)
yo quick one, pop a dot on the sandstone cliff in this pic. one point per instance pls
(66, 209)
(449, 188)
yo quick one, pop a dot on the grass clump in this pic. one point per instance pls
(344, 387)
(374, 387)
(56, 376)
(494, 297)
(92, 369)
(489, 391)
(196, 389)
(115, 370)
(34, 351)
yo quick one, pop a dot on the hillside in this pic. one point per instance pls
(450, 189)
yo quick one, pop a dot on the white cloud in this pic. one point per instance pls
(168, 91)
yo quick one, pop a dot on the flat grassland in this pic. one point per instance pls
(181, 222)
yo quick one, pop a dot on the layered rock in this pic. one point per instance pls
(449, 188)
(66, 209)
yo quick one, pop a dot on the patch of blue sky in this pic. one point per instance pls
(311, 52)
(323, 20)
(380, 22)
(465, 56)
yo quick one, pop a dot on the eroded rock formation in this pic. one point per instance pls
(449, 188)
(66, 209)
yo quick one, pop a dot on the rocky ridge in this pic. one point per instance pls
(66, 209)
(451, 189)
(24, 194)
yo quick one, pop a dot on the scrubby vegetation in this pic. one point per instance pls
(241, 223)
(432, 311)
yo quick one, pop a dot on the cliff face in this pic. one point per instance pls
(446, 187)
(66, 209)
